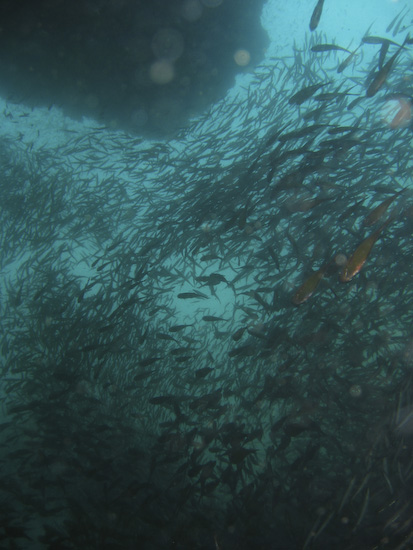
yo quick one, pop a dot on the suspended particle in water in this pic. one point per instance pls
(340, 259)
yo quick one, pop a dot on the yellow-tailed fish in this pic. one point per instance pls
(381, 209)
(309, 286)
(362, 252)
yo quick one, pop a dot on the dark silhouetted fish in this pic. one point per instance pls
(328, 48)
(316, 15)
(178, 328)
(382, 74)
(346, 62)
(376, 214)
(191, 295)
(393, 21)
(212, 318)
(356, 261)
(305, 93)
(368, 39)
(201, 373)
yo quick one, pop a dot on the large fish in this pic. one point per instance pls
(189, 295)
(383, 73)
(368, 39)
(307, 289)
(315, 18)
(328, 48)
(393, 21)
(359, 257)
(346, 62)
(305, 93)
(383, 52)
(380, 210)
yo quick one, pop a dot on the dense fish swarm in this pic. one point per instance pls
(182, 365)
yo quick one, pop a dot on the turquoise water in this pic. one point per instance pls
(206, 341)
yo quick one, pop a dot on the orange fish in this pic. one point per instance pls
(362, 252)
(381, 209)
(309, 286)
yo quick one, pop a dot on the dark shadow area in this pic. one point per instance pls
(142, 66)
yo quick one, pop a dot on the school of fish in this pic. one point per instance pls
(206, 343)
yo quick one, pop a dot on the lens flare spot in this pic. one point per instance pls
(162, 72)
(242, 57)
